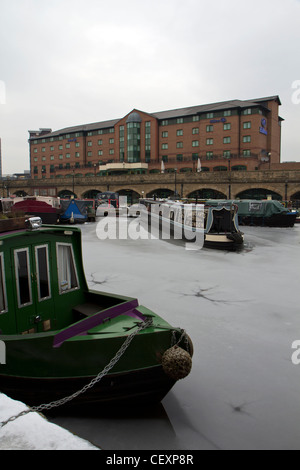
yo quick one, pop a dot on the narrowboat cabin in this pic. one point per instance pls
(60, 336)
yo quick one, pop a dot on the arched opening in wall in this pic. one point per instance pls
(66, 194)
(132, 196)
(161, 193)
(296, 200)
(220, 168)
(20, 194)
(258, 194)
(91, 194)
(207, 193)
(239, 168)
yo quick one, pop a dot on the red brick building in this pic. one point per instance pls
(232, 135)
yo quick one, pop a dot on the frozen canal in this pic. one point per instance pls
(242, 313)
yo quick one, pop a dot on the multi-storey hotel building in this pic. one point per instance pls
(232, 135)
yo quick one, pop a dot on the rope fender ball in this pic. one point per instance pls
(176, 363)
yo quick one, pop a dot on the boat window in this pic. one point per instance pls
(22, 270)
(67, 276)
(42, 270)
(3, 301)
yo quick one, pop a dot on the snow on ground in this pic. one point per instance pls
(33, 432)
(242, 313)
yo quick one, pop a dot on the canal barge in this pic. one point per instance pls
(209, 226)
(68, 345)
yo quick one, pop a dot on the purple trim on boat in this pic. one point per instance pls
(81, 328)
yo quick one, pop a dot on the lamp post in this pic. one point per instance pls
(175, 192)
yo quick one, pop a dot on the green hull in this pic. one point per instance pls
(36, 372)
(59, 335)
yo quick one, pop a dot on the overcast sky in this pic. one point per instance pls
(71, 62)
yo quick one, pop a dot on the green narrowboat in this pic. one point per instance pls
(68, 345)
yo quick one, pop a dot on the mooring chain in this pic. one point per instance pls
(110, 365)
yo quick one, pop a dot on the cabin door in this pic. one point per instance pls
(33, 284)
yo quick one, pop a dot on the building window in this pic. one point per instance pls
(195, 156)
(60, 147)
(164, 158)
(148, 141)
(196, 118)
(209, 128)
(77, 154)
(90, 143)
(227, 113)
(90, 154)
(227, 154)
(68, 155)
(179, 158)
(179, 132)
(179, 145)
(209, 115)
(35, 151)
(164, 134)
(68, 146)
(43, 149)
(247, 138)
(247, 111)
(111, 151)
(35, 159)
(247, 125)
(133, 142)
(60, 157)
(100, 153)
(209, 155)
(164, 146)
(227, 126)
(209, 141)
(52, 148)
(111, 141)
(165, 122)
(77, 144)
(23, 279)
(67, 275)
(179, 120)
(195, 130)
(100, 142)
(226, 140)
(195, 143)
(246, 153)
